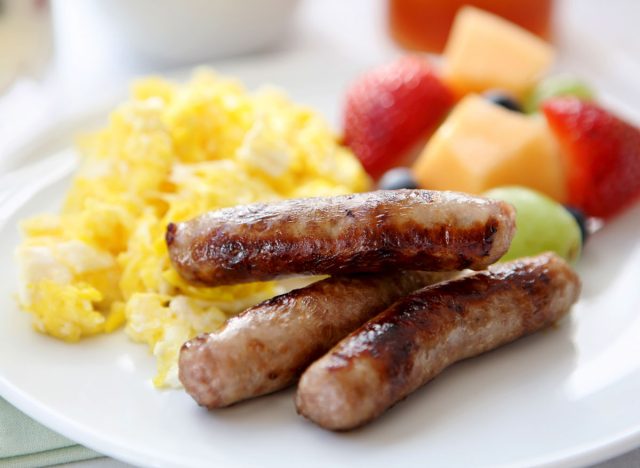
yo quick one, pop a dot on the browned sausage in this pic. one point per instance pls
(267, 347)
(416, 338)
(364, 232)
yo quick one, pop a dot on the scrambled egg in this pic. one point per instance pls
(169, 153)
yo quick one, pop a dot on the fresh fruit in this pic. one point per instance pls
(503, 100)
(542, 225)
(391, 109)
(481, 145)
(602, 155)
(555, 86)
(485, 51)
(398, 178)
(581, 219)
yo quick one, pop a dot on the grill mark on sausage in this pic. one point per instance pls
(268, 346)
(420, 335)
(394, 245)
(260, 242)
(171, 233)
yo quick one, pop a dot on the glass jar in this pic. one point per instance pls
(424, 24)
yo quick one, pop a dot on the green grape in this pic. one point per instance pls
(559, 85)
(541, 225)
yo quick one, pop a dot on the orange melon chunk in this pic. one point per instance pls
(485, 51)
(482, 145)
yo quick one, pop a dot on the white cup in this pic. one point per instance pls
(26, 40)
(173, 32)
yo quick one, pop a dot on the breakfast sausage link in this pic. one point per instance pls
(364, 232)
(267, 347)
(419, 336)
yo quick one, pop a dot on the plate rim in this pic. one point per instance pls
(618, 444)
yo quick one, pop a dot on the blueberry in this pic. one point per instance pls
(581, 219)
(398, 178)
(504, 100)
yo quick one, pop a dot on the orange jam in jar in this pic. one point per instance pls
(424, 24)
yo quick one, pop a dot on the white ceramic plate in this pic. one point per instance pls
(566, 396)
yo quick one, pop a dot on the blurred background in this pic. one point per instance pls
(61, 59)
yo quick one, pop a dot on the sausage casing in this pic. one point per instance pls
(267, 347)
(364, 232)
(416, 338)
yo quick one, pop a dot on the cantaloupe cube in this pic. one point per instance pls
(482, 145)
(485, 51)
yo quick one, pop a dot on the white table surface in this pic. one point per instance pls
(90, 67)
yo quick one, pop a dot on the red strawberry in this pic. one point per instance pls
(391, 109)
(602, 152)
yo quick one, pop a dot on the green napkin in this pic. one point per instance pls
(24, 443)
